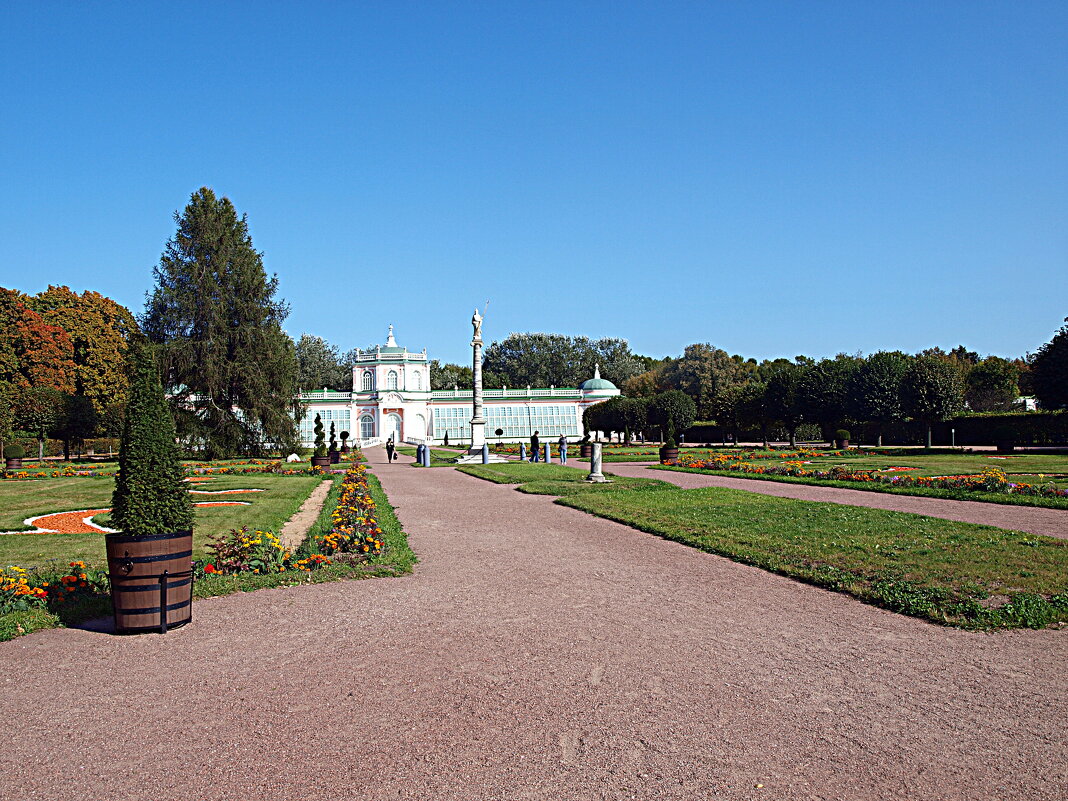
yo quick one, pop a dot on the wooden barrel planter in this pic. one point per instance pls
(151, 581)
(13, 464)
(334, 457)
(585, 450)
(669, 454)
(320, 461)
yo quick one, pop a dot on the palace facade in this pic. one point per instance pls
(391, 396)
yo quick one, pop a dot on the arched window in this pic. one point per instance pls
(367, 427)
(391, 379)
(368, 381)
(417, 381)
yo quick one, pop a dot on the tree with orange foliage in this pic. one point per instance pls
(99, 329)
(33, 353)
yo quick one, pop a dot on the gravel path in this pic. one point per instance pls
(537, 653)
(296, 528)
(1034, 519)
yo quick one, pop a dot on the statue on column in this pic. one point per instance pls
(476, 321)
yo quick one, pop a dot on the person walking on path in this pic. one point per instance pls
(391, 450)
(535, 443)
(562, 444)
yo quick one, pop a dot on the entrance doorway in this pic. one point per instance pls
(393, 427)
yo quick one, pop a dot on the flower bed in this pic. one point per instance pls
(355, 532)
(991, 479)
(253, 467)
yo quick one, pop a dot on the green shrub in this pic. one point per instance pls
(150, 492)
(14, 452)
(841, 435)
(320, 437)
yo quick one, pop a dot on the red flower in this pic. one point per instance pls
(210, 569)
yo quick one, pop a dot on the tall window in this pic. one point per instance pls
(368, 381)
(367, 427)
(417, 381)
(391, 379)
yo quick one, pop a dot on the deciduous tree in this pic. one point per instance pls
(319, 365)
(701, 372)
(875, 389)
(992, 385)
(932, 390)
(1049, 371)
(99, 330)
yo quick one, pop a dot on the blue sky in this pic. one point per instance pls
(774, 178)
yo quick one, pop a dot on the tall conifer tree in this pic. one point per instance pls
(230, 367)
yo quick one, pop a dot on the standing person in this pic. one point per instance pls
(535, 443)
(562, 444)
(390, 450)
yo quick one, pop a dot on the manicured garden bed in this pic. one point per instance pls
(975, 478)
(334, 549)
(438, 458)
(943, 571)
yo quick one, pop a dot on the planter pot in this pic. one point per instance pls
(841, 444)
(345, 449)
(320, 461)
(669, 454)
(151, 581)
(585, 451)
(1006, 446)
(13, 464)
(334, 457)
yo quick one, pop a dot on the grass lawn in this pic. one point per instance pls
(554, 479)
(1029, 469)
(940, 570)
(438, 458)
(281, 498)
(396, 559)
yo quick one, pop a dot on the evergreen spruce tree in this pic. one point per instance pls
(333, 437)
(230, 368)
(150, 495)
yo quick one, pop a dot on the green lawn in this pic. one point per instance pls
(944, 571)
(438, 458)
(281, 498)
(396, 559)
(554, 479)
(1031, 469)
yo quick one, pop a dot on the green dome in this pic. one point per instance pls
(597, 384)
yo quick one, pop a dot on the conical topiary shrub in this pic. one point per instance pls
(150, 558)
(151, 496)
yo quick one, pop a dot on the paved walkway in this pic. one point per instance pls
(537, 653)
(1033, 519)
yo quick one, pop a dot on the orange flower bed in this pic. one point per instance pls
(66, 523)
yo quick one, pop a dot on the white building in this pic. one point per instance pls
(392, 397)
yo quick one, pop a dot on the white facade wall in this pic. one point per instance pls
(392, 385)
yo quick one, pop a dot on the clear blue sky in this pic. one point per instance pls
(774, 178)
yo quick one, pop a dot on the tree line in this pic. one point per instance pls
(62, 365)
(213, 323)
(833, 394)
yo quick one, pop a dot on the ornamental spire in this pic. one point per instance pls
(390, 341)
(596, 371)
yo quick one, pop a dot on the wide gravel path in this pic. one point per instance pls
(1033, 519)
(537, 653)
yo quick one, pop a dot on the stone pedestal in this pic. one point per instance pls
(596, 476)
